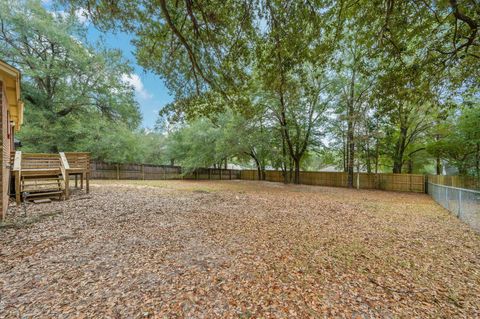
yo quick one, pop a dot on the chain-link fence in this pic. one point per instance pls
(464, 203)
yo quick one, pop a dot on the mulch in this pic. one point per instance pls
(237, 249)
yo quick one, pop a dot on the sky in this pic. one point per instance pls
(150, 91)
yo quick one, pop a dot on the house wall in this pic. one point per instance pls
(6, 146)
(2, 171)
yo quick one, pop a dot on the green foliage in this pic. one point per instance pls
(76, 98)
(282, 83)
(194, 145)
(460, 141)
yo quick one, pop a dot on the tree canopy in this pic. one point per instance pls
(362, 85)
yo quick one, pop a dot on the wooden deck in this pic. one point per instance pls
(48, 175)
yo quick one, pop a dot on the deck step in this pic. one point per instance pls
(45, 194)
(42, 201)
(42, 185)
(37, 190)
(39, 184)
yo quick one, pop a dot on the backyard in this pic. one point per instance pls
(237, 249)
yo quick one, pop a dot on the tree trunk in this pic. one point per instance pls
(172, 162)
(296, 178)
(410, 166)
(259, 168)
(290, 172)
(368, 160)
(399, 151)
(345, 153)
(350, 132)
(263, 170)
(397, 166)
(284, 161)
(438, 166)
(351, 153)
(377, 155)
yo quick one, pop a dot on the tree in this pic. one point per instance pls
(388, 73)
(71, 89)
(460, 141)
(247, 138)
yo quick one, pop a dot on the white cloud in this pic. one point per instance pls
(135, 81)
(82, 16)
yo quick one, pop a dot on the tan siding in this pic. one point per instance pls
(6, 148)
(2, 179)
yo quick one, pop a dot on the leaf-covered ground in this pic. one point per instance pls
(237, 249)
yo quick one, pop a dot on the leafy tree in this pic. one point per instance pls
(76, 98)
(382, 75)
(459, 145)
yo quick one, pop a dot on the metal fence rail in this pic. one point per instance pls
(464, 203)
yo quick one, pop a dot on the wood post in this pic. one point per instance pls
(67, 185)
(17, 188)
(385, 181)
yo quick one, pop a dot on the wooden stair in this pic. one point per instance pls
(42, 185)
(46, 175)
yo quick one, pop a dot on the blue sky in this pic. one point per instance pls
(150, 90)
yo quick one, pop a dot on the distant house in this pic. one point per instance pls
(330, 168)
(11, 120)
(448, 169)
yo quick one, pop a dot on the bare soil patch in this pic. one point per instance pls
(237, 249)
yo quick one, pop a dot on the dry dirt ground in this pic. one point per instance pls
(237, 249)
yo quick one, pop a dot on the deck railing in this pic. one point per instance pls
(65, 169)
(47, 164)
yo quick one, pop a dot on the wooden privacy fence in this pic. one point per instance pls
(384, 181)
(100, 170)
(455, 181)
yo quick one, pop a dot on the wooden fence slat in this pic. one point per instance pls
(383, 181)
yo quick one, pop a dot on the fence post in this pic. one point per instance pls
(118, 171)
(230, 174)
(459, 202)
(209, 173)
(143, 172)
(446, 198)
(220, 173)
